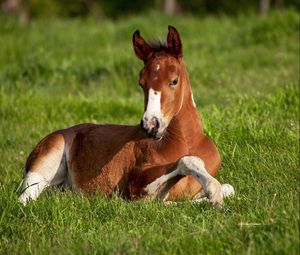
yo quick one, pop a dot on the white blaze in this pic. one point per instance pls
(153, 107)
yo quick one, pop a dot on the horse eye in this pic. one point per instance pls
(174, 82)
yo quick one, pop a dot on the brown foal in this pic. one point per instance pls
(167, 156)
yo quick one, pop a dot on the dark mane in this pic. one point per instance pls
(159, 46)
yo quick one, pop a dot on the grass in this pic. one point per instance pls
(245, 77)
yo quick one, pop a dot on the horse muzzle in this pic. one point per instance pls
(153, 128)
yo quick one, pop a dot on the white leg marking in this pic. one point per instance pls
(52, 166)
(33, 185)
(153, 188)
(191, 165)
(51, 171)
(226, 191)
(194, 166)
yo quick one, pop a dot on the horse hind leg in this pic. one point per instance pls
(45, 166)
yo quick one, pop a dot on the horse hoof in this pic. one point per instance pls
(214, 193)
(227, 190)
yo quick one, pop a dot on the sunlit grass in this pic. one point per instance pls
(244, 74)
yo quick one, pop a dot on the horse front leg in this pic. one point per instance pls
(187, 165)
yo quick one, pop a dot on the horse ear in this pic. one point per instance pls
(141, 48)
(174, 42)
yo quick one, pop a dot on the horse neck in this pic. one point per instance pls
(186, 127)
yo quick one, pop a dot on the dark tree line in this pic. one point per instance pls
(100, 9)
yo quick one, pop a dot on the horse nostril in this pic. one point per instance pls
(142, 126)
(145, 128)
(155, 124)
(150, 128)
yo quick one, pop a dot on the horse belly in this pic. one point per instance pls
(100, 167)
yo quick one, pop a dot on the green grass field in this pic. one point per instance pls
(245, 75)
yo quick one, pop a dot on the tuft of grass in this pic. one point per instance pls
(244, 74)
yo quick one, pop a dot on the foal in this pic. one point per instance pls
(167, 156)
